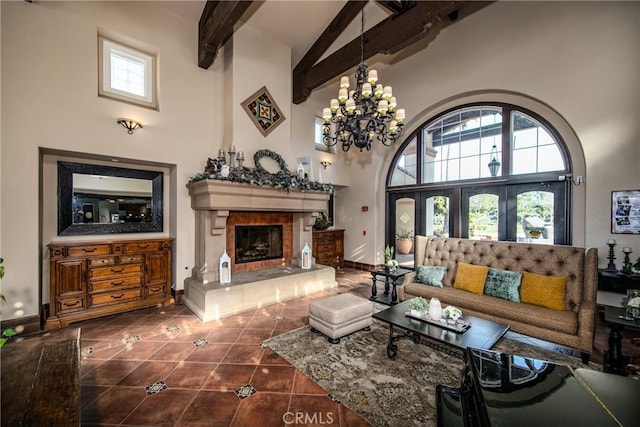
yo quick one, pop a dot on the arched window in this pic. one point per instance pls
(484, 171)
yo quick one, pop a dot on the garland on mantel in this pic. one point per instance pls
(282, 179)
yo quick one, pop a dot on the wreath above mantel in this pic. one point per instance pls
(282, 179)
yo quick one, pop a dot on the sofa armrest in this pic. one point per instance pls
(587, 309)
(408, 278)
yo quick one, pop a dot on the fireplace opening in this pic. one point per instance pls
(257, 243)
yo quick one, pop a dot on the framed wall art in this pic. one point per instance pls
(263, 111)
(625, 212)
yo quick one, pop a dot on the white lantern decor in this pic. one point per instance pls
(305, 257)
(225, 268)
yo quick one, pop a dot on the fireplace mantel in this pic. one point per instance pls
(212, 201)
(212, 194)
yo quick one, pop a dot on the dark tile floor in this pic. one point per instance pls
(163, 367)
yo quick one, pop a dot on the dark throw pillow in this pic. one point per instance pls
(503, 284)
(430, 275)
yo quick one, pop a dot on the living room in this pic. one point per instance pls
(577, 61)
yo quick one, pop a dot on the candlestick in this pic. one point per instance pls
(626, 264)
(611, 266)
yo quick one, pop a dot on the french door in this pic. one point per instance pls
(533, 212)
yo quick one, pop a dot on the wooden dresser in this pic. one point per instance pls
(93, 279)
(328, 247)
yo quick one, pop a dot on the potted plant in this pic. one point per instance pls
(9, 332)
(418, 306)
(404, 241)
(452, 314)
(389, 262)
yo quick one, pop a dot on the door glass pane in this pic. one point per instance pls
(534, 214)
(483, 217)
(404, 171)
(405, 228)
(437, 216)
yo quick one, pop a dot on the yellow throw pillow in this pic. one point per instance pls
(471, 278)
(545, 291)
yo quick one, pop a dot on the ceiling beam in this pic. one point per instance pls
(216, 27)
(389, 36)
(348, 12)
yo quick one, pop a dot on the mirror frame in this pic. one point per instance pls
(66, 227)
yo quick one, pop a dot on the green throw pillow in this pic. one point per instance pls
(430, 275)
(503, 284)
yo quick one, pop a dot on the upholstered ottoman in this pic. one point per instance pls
(340, 315)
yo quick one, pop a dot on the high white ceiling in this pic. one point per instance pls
(294, 23)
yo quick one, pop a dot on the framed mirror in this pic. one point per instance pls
(95, 199)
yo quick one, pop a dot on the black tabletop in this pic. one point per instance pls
(483, 333)
(618, 316)
(393, 274)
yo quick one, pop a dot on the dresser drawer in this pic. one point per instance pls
(88, 250)
(102, 261)
(115, 283)
(142, 247)
(154, 290)
(70, 304)
(326, 249)
(115, 297)
(115, 270)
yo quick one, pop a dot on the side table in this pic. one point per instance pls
(391, 280)
(616, 319)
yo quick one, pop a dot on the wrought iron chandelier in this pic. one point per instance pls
(368, 112)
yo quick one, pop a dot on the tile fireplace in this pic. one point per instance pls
(258, 218)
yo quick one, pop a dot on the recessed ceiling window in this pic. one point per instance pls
(127, 74)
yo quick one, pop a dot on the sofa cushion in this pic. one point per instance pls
(471, 278)
(503, 284)
(430, 275)
(545, 291)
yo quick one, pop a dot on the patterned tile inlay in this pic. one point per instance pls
(245, 391)
(201, 342)
(132, 339)
(173, 328)
(87, 350)
(156, 387)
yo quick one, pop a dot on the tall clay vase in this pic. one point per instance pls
(435, 309)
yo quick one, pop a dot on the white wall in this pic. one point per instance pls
(578, 59)
(49, 77)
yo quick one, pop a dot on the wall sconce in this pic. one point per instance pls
(325, 163)
(130, 125)
(575, 181)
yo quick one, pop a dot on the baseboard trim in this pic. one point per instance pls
(359, 265)
(22, 325)
(177, 296)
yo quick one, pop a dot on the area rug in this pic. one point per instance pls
(401, 392)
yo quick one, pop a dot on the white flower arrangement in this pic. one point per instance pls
(634, 302)
(451, 311)
(418, 304)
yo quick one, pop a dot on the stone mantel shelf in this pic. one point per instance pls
(210, 194)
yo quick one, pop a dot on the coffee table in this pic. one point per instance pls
(483, 334)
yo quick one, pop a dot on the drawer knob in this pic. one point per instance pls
(117, 270)
(89, 250)
(117, 297)
(118, 283)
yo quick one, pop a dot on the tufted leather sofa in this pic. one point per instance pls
(572, 327)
